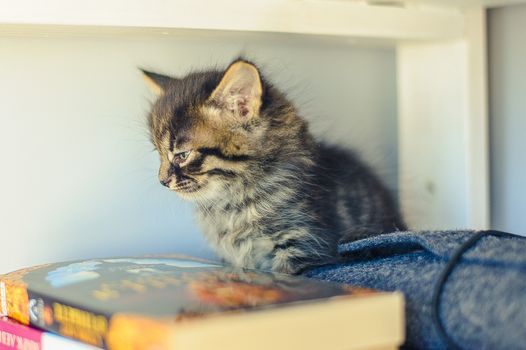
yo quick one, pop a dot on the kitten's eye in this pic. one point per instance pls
(182, 156)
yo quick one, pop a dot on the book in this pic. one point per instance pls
(16, 336)
(183, 303)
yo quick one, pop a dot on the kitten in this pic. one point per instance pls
(268, 195)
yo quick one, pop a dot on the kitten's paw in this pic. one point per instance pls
(286, 264)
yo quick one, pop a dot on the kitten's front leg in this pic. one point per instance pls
(299, 249)
(287, 261)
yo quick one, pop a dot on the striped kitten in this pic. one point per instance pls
(268, 195)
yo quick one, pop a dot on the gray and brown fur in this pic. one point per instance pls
(267, 194)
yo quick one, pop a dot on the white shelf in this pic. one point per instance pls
(463, 3)
(313, 17)
(393, 20)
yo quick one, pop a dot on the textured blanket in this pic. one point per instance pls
(463, 289)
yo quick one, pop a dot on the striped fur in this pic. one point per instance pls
(267, 194)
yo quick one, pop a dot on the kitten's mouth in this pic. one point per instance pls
(187, 187)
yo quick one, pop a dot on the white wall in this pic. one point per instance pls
(507, 31)
(78, 175)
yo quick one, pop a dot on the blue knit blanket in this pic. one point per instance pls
(463, 289)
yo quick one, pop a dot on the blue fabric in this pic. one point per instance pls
(483, 301)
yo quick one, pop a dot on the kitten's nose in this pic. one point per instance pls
(165, 182)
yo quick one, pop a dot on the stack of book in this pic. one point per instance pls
(183, 303)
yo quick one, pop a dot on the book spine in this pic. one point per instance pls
(52, 315)
(14, 301)
(68, 320)
(15, 336)
(3, 300)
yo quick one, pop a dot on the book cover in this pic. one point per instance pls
(146, 303)
(16, 336)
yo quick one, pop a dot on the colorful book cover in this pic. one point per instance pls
(107, 302)
(16, 336)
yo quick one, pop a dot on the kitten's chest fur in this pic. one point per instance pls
(236, 236)
(246, 225)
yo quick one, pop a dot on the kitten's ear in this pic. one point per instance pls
(156, 82)
(240, 90)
